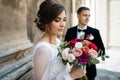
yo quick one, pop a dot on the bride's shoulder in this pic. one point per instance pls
(42, 44)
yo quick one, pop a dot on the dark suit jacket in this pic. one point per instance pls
(72, 34)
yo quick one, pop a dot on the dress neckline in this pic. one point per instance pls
(56, 44)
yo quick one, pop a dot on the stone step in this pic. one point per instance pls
(103, 74)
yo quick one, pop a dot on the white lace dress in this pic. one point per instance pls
(54, 69)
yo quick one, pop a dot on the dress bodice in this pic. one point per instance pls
(55, 69)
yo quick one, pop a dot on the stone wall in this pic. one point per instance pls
(15, 47)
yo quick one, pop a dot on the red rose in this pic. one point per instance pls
(72, 42)
(92, 45)
(79, 40)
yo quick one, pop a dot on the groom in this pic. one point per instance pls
(83, 30)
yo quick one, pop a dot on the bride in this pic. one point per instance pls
(51, 19)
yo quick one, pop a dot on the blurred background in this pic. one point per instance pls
(18, 35)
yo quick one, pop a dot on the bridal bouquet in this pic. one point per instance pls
(79, 52)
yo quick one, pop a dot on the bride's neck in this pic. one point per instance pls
(49, 38)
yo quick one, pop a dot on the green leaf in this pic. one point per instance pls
(82, 66)
(64, 62)
(107, 56)
(93, 61)
(103, 58)
(82, 37)
(83, 78)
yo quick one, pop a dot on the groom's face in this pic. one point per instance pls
(83, 17)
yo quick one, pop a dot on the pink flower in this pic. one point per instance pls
(93, 53)
(77, 52)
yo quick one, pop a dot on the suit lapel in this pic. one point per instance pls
(87, 32)
(74, 32)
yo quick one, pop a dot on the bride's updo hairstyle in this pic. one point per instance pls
(48, 11)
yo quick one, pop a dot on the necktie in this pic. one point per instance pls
(79, 30)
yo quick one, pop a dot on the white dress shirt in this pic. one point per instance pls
(81, 34)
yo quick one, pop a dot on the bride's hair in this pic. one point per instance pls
(48, 11)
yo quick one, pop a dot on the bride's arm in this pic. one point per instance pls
(41, 62)
(77, 72)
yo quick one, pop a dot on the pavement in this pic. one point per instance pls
(110, 68)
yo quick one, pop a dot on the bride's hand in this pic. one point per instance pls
(77, 72)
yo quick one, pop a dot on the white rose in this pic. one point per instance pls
(65, 53)
(78, 45)
(91, 37)
(71, 57)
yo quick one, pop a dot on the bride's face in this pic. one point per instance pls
(58, 24)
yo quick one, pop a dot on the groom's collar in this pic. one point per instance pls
(84, 28)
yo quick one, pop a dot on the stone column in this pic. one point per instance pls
(15, 48)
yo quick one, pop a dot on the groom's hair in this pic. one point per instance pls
(81, 9)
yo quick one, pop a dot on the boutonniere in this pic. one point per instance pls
(89, 37)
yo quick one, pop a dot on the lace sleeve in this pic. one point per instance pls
(41, 61)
